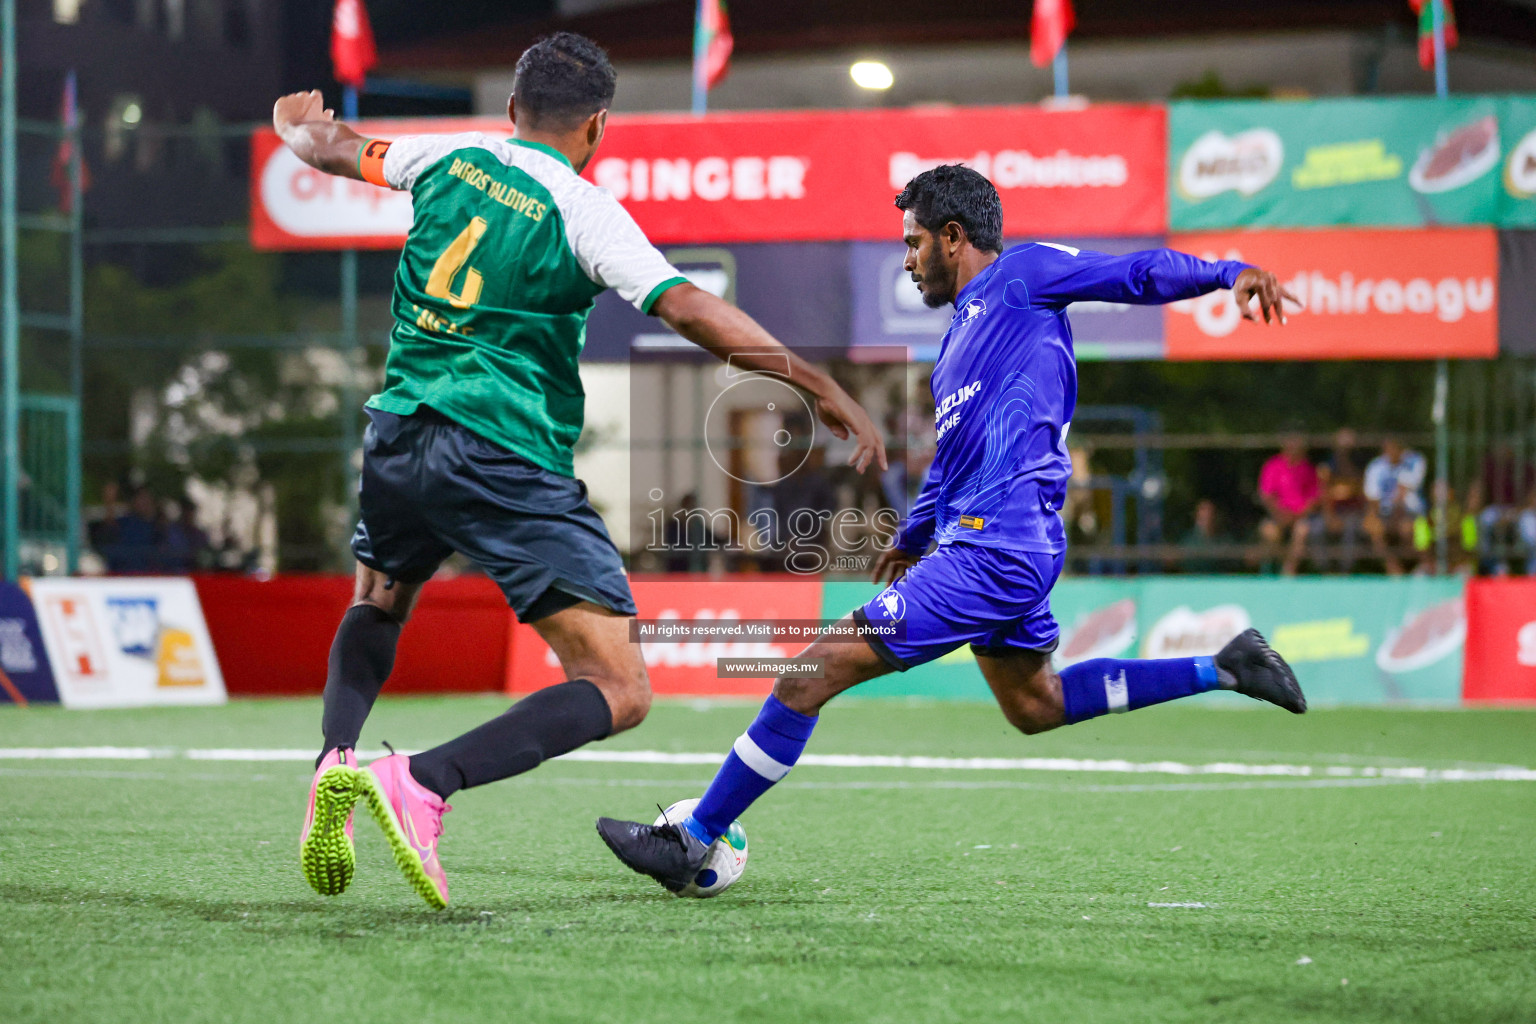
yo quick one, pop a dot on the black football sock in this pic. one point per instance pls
(542, 725)
(362, 656)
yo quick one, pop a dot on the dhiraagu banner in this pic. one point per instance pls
(1357, 640)
(1382, 162)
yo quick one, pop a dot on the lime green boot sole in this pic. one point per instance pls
(326, 855)
(406, 858)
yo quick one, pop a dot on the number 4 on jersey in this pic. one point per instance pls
(448, 265)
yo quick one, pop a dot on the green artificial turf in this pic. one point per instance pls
(169, 889)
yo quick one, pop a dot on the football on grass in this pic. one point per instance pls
(726, 860)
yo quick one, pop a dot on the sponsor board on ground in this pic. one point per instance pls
(127, 641)
(25, 674)
(1351, 640)
(817, 176)
(1405, 294)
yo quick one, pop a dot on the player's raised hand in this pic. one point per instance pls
(892, 565)
(1254, 283)
(299, 107)
(845, 418)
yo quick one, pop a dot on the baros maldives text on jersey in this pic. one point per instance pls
(507, 251)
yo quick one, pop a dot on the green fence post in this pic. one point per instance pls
(10, 322)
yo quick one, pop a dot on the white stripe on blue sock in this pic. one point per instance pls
(1117, 694)
(754, 757)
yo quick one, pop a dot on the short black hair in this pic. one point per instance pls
(562, 80)
(954, 192)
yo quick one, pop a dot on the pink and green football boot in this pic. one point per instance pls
(325, 847)
(412, 818)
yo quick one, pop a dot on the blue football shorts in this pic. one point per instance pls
(993, 599)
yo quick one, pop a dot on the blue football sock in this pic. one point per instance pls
(762, 755)
(1107, 685)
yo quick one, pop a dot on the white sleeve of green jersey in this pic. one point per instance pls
(614, 252)
(409, 155)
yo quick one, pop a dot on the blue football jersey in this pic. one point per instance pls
(1005, 387)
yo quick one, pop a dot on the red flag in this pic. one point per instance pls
(713, 43)
(69, 120)
(1427, 29)
(352, 49)
(1054, 20)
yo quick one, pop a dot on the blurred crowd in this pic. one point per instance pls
(1355, 511)
(133, 532)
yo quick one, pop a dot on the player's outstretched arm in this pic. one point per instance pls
(314, 135)
(731, 335)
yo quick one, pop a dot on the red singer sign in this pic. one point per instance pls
(768, 177)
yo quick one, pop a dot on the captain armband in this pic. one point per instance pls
(370, 161)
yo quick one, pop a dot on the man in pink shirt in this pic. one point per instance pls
(1288, 491)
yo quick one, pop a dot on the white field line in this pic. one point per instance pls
(542, 778)
(1003, 764)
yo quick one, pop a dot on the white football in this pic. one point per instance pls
(726, 859)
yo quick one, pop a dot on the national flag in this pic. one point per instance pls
(1425, 10)
(712, 43)
(352, 49)
(69, 120)
(1054, 20)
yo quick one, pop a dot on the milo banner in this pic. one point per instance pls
(1351, 640)
(1376, 162)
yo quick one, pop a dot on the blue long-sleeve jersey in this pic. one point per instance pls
(1005, 387)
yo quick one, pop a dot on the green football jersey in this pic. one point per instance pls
(507, 250)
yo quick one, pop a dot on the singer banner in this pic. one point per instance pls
(773, 177)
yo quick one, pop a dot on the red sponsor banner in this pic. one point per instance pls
(688, 669)
(1500, 662)
(1384, 294)
(772, 177)
(273, 636)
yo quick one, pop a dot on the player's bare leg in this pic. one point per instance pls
(1027, 689)
(607, 692)
(362, 655)
(593, 643)
(672, 853)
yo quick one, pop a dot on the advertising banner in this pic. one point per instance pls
(1519, 128)
(889, 312)
(773, 177)
(1501, 640)
(1351, 641)
(1405, 294)
(688, 668)
(25, 675)
(457, 641)
(1408, 161)
(127, 642)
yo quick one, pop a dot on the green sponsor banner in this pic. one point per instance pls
(1357, 640)
(1519, 177)
(1351, 640)
(1382, 162)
